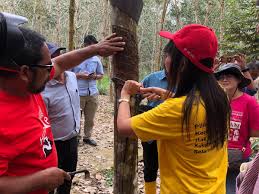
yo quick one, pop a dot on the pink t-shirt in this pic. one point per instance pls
(244, 117)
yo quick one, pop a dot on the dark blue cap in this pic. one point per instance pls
(54, 48)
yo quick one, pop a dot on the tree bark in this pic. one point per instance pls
(105, 27)
(58, 27)
(106, 16)
(106, 30)
(208, 10)
(71, 25)
(158, 52)
(125, 67)
(154, 48)
(177, 14)
(222, 13)
(34, 14)
(196, 11)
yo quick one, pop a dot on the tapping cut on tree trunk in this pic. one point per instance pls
(125, 15)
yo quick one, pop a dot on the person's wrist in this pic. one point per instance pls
(43, 176)
(95, 49)
(125, 95)
(124, 100)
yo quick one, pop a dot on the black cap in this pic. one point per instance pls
(90, 39)
(11, 38)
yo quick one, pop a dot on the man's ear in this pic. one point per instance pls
(25, 73)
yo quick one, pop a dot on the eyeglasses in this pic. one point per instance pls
(48, 66)
(225, 76)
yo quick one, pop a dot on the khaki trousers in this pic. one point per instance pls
(88, 105)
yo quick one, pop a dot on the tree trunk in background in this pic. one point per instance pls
(106, 18)
(71, 25)
(154, 48)
(34, 18)
(106, 30)
(177, 14)
(222, 13)
(158, 51)
(208, 10)
(125, 67)
(58, 23)
(196, 10)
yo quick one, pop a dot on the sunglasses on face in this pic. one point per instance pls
(47, 66)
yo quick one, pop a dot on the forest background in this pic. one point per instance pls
(234, 21)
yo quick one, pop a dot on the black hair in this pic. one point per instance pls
(199, 87)
(168, 47)
(31, 53)
(90, 39)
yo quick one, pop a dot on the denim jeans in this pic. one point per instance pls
(231, 181)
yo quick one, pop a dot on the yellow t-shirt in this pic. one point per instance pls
(186, 165)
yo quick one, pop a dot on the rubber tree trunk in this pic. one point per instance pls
(125, 67)
(71, 32)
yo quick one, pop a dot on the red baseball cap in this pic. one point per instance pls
(196, 42)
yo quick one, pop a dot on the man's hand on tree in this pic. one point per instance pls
(110, 46)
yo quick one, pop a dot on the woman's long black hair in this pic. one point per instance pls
(188, 80)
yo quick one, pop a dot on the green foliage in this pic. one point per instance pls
(186, 11)
(255, 147)
(103, 85)
(108, 176)
(240, 28)
(239, 24)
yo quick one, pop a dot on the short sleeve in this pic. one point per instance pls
(45, 98)
(145, 82)
(99, 69)
(253, 114)
(162, 122)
